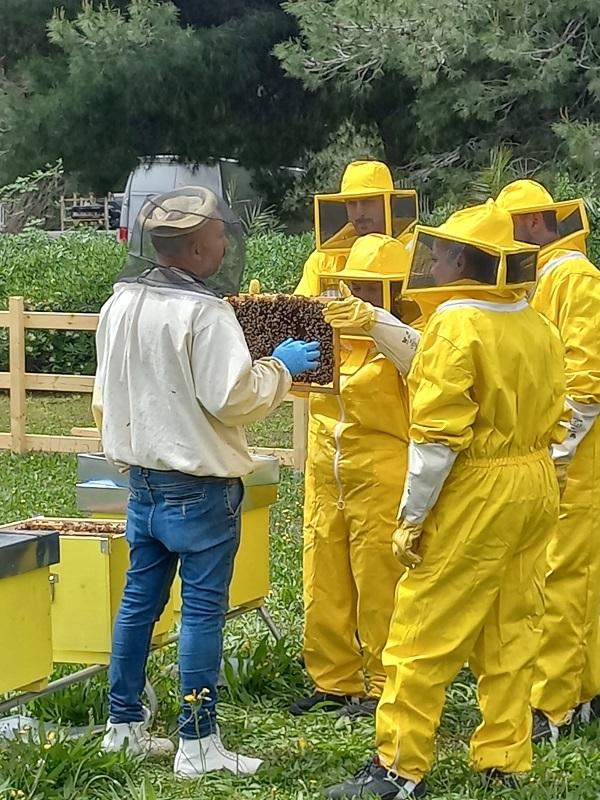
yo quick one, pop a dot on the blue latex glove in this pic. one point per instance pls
(298, 356)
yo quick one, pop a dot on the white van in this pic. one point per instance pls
(163, 174)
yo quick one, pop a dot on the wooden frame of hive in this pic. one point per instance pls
(304, 387)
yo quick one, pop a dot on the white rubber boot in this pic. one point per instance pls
(196, 757)
(133, 737)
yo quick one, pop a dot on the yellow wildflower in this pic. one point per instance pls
(195, 697)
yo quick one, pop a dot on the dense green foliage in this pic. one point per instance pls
(112, 86)
(473, 73)
(276, 259)
(431, 86)
(71, 273)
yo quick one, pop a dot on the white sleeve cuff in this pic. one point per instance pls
(582, 419)
(395, 340)
(428, 467)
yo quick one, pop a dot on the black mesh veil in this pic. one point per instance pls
(174, 213)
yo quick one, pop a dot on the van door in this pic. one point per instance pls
(158, 177)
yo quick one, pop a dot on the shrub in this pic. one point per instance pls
(276, 259)
(75, 273)
(72, 273)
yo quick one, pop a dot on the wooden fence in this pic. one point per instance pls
(82, 440)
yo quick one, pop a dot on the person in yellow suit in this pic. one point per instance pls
(480, 496)
(356, 463)
(367, 203)
(568, 294)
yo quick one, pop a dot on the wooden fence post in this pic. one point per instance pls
(18, 399)
(300, 406)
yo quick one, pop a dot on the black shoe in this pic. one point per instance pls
(491, 778)
(545, 731)
(373, 780)
(320, 701)
(363, 707)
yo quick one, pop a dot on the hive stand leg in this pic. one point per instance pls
(269, 622)
(152, 699)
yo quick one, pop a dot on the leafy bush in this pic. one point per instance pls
(75, 273)
(72, 273)
(276, 259)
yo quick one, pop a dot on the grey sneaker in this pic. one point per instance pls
(362, 707)
(373, 780)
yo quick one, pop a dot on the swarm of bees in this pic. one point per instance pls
(269, 319)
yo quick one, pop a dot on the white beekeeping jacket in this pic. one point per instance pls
(175, 382)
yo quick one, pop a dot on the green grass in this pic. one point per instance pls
(41, 483)
(50, 413)
(301, 755)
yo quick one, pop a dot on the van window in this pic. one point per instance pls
(238, 181)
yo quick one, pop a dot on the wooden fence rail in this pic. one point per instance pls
(82, 440)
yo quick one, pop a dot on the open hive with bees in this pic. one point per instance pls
(269, 319)
(86, 586)
(73, 527)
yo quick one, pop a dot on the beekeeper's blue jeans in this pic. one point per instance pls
(175, 518)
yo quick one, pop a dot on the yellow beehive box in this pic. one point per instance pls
(250, 581)
(102, 490)
(25, 627)
(87, 587)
